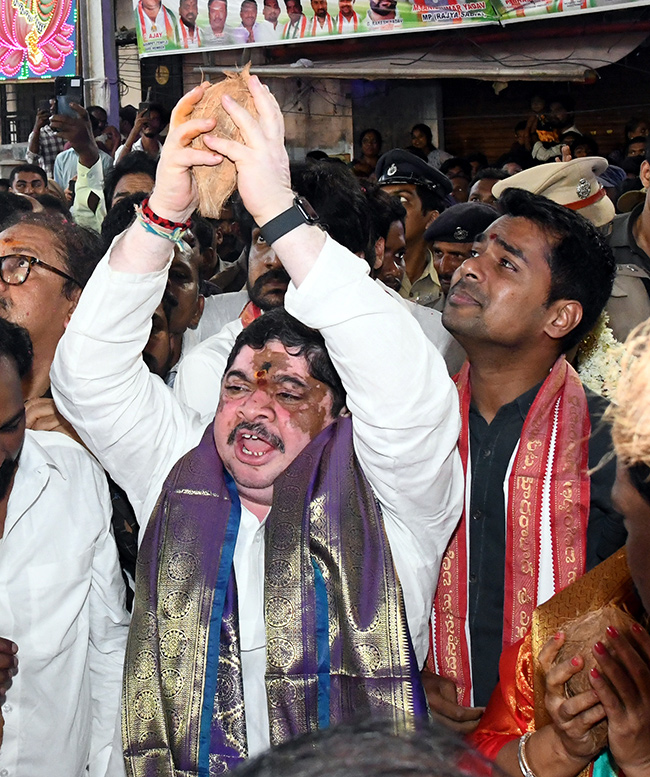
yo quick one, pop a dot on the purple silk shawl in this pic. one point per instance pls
(338, 645)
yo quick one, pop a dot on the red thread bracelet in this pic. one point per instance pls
(154, 218)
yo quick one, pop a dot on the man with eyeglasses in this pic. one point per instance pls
(28, 179)
(44, 264)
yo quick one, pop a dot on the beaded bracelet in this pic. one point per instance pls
(157, 225)
(521, 756)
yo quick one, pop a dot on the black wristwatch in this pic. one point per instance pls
(301, 212)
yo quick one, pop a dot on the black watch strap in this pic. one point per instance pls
(301, 212)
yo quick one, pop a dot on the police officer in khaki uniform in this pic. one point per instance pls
(452, 236)
(630, 242)
(575, 185)
(424, 193)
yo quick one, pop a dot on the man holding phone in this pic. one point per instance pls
(43, 144)
(65, 165)
(85, 162)
(151, 121)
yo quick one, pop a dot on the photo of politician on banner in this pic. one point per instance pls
(177, 25)
(213, 24)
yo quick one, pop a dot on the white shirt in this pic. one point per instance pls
(268, 32)
(224, 38)
(90, 180)
(62, 603)
(296, 29)
(343, 25)
(404, 410)
(137, 146)
(219, 310)
(198, 374)
(65, 166)
(240, 34)
(189, 38)
(315, 28)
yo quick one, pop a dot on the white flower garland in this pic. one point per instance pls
(598, 360)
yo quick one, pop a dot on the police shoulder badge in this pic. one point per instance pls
(583, 189)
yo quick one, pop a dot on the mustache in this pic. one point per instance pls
(272, 275)
(259, 430)
(468, 288)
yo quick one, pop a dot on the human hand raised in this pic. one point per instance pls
(262, 163)
(42, 118)
(573, 717)
(622, 684)
(175, 195)
(79, 132)
(140, 121)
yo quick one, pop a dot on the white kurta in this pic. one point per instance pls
(62, 603)
(198, 374)
(404, 409)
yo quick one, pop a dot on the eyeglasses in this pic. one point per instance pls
(14, 269)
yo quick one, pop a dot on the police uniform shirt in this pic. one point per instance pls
(426, 289)
(629, 303)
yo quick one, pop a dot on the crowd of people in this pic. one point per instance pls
(326, 483)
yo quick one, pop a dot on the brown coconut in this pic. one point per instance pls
(216, 184)
(581, 635)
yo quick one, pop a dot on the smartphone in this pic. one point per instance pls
(43, 105)
(143, 107)
(71, 186)
(68, 89)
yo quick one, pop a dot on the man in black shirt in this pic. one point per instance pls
(534, 519)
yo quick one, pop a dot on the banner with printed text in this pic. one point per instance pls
(170, 26)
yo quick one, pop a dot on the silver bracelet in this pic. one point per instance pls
(521, 756)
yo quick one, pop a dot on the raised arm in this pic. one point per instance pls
(127, 146)
(128, 418)
(404, 406)
(88, 208)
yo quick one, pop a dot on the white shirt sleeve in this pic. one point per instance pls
(59, 170)
(30, 157)
(541, 153)
(405, 417)
(118, 153)
(107, 638)
(126, 416)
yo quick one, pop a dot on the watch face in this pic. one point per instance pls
(306, 209)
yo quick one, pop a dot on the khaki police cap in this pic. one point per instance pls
(573, 184)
